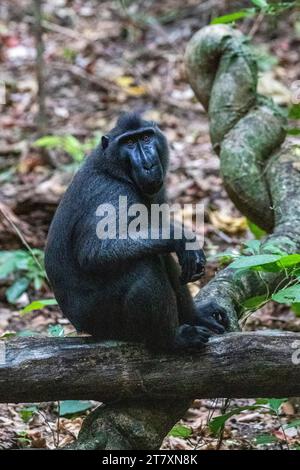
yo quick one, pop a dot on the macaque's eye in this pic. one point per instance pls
(129, 142)
(146, 138)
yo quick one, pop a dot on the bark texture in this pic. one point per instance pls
(233, 365)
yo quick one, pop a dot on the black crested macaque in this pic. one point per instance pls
(126, 288)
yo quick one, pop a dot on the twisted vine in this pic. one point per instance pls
(260, 174)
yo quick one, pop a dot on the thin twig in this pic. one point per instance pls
(221, 434)
(40, 67)
(256, 24)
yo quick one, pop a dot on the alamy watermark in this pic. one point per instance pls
(296, 353)
(295, 92)
(157, 221)
(2, 92)
(2, 352)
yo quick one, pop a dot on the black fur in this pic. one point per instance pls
(125, 289)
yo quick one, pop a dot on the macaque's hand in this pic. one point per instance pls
(192, 264)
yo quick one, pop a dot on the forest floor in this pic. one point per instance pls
(101, 60)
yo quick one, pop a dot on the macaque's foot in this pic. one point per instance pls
(191, 337)
(212, 316)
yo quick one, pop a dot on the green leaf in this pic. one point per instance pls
(273, 249)
(224, 256)
(7, 263)
(232, 17)
(56, 330)
(255, 261)
(256, 230)
(67, 143)
(292, 424)
(265, 439)
(260, 3)
(294, 111)
(275, 403)
(26, 413)
(7, 335)
(73, 147)
(288, 295)
(289, 260)
(296, 273)
(48, 141)
(180, 431)
(38, 305)
(37, 282)
(262, 401)
(69, 54)
(22, 261)
(253, 246)
(254, 302)
(22, 438)
(296, 309)
(278, 7)
(71, 407)
(17, 289)
(217, 423)
(27, 333)
(7, 268)
(293, 131)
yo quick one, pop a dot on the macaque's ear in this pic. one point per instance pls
(104, 141)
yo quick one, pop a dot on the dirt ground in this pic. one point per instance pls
(102, 59)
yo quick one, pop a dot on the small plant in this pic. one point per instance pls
(23, 268)
(273, 259)
(74, 407)
(38, 305)
(179, 430)
(294, 114)
(23, 439)
(56, 331)
(259, 7)
(264, 405)
(28, 412)
(70, 145)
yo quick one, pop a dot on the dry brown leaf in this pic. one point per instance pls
(66, 440)
(37, 440)
(227, 223)
(194, 289)
(288, 408)
(268, 85)
(72, 426)
(29, 163)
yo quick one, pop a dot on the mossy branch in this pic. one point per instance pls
(260, 174)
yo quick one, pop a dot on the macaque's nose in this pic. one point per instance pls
(148, 165)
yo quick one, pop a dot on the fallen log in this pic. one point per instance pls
(253, 364)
